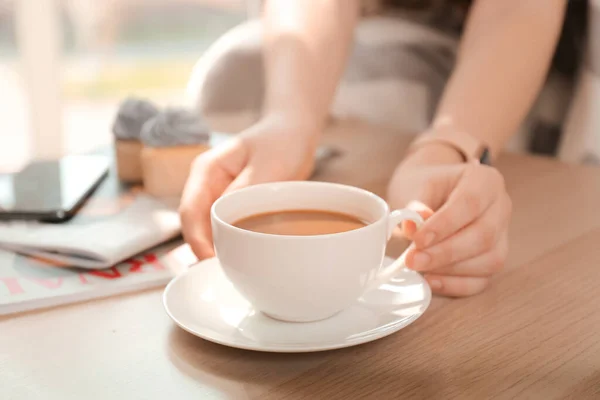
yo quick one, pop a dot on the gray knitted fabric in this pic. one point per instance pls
(175, 127)
(131, 116)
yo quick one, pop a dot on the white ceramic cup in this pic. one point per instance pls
(305, 278)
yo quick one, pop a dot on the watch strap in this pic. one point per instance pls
(469, 147)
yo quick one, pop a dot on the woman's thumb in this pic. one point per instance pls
(256, 171)
(246, 178)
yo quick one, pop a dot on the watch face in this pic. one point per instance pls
(485, 157)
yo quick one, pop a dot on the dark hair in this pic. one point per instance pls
(450, 15)
(571, 45)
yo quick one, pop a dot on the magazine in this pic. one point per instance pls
(28, 283)
(115, 223)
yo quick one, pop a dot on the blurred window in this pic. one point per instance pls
(106, 50)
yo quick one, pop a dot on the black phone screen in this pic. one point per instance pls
(51, 189)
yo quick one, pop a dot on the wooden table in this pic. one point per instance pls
(535, 333)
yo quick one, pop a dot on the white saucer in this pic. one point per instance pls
(203, 302)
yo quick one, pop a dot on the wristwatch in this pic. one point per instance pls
(469, 147)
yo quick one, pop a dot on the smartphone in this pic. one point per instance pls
(51, 191)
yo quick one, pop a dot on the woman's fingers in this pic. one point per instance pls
(199, 238)
(483, 265)
(409, 228)
(194, 211)
(456, 286)
(478, 238)
(477, 189)
(210, 175)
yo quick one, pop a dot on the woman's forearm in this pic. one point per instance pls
(306, 47)
(502, 63)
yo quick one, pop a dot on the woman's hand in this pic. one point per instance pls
(274, 149)
(463, 241)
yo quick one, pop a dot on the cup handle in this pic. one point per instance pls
(395, 218)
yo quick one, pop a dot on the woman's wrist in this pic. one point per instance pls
(433, 154)
(300, 123)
